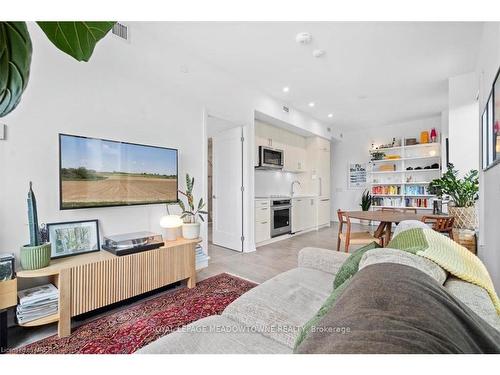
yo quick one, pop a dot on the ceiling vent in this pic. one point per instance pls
(121, 31)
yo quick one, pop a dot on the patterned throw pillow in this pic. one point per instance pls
(351, 265)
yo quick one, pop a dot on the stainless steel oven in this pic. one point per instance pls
(270, 158)
(280, 217)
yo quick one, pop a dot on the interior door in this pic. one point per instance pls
(227, 198)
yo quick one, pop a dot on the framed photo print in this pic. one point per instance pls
(74, 237)
(357, 176)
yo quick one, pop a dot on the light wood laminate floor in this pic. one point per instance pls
(258, 266)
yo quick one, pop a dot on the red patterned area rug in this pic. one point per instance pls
(128, 330)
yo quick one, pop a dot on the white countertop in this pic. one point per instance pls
(288, 196)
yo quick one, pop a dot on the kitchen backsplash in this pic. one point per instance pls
(274, 182)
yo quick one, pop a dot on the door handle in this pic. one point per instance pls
(214, 197)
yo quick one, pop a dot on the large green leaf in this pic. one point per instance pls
(77, 39)
(15, 61)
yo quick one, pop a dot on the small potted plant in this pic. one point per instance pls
(366, 203)
(463, 193)
(36, 254)
(378, 155)
(191, 214)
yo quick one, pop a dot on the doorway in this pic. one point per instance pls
(225, 183)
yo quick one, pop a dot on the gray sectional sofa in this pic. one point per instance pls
(267, 318)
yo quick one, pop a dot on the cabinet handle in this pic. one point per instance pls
(264, 222)
(263, 209)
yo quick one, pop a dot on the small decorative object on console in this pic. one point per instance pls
(36, 254)
(171, 223)
(124, 244)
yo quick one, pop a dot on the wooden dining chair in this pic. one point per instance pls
(350, 237)
(400, 209)
(441, 224)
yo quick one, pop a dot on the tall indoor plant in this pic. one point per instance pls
(77, 39)
(366, 203)
(191, 213)
(463, 193)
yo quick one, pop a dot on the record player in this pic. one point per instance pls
(129, 243)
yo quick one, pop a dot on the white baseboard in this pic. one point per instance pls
(287, 236)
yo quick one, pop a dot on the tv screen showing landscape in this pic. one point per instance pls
(99, 173)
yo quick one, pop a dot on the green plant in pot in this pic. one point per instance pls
(191, 213)
(366, 203)
(463, 194)
(36, 254)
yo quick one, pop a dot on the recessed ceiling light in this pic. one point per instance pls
(319, 53)
(330, 115)
(303, 38)
(311, 104)
(286, 89)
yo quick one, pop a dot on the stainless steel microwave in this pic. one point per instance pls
(270, 158)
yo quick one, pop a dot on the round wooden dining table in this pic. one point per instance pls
(386, 218)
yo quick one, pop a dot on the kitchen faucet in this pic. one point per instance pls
(294, 182)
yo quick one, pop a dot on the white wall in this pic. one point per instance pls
(274, 182)
(487, 67)
(131, 92)
(463, 122)
(354, 147)
(97, 99)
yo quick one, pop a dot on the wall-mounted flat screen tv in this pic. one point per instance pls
(101, 173)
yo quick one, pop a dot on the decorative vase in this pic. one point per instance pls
(191, 231)
(465, 217)
(35, 257)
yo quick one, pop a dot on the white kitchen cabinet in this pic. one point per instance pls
(323, 211)
(293, 145)
(310, 213)
(318, 158)
(262, 220)
(298, 208)
(303, 213)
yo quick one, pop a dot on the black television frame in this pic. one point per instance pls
(115, 205)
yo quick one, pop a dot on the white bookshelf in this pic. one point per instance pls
(402, 188)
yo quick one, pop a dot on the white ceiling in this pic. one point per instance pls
(373, 73)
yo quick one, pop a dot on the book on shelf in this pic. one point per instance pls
(37, 302)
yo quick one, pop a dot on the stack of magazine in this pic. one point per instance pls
(37, 302)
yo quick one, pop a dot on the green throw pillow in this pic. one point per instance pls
(410, 240)
(351, 264)
(330, 301)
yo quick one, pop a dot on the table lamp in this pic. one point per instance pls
(171, 223)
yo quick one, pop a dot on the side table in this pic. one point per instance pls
(8, 298)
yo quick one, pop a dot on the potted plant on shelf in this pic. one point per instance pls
(377, 155)
(37, 253)
(463, 193)
(190, 216)
(366, 203)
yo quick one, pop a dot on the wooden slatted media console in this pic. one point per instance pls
(89, 281)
